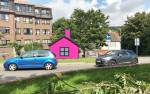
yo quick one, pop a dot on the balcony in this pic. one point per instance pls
(25, 10)
(46, 16)
(24, 13)
(6, 9)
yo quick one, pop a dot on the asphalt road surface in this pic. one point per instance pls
(9, 76)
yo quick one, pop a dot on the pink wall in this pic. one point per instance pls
(73, 49)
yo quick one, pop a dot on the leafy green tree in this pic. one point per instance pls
(137, 26)
(91, 28)
(33, 46)
(88, 28)
(60, 25)
(16, 46)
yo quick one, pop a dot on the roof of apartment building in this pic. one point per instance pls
(115, 36)
(28, 3)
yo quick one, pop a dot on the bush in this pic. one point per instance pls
(123, 84)
(33, 46)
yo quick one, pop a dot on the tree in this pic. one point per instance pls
(88, 28)
(137, 26)
(91, 28)
(33, 46)
(16, 46)
(60, 25)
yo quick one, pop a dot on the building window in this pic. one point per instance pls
(4, 4)
(5, 30)
(28, 31)
(29, 9)
(18, 31)
(4, 42)
(45, 12)
(37, 31)
(37, 11)
(46, 32)
(46, 41)
(28, 20)
(18, 42)
(17, 19)
(27, 41)
(18, 7)
(38, 41)
(64, 51)
(47, 22)
(4, 17)
(37, 21)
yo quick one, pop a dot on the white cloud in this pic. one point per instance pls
(117, 10)
(62, 9)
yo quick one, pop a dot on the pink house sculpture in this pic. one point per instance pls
(65, 48)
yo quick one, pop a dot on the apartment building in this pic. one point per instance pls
(24, 23)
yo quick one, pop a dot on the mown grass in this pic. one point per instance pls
(85, 60)
(30, 86)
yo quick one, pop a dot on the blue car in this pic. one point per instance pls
(32, 59)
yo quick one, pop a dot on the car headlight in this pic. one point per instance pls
(107, 58)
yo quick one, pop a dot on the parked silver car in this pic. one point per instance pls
(117, 57)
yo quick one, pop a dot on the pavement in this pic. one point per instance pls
(10, 76)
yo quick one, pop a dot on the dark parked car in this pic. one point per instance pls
(117, 57)
(32, 59)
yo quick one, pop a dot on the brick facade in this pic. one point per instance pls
(17, 16)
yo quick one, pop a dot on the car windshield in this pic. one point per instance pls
(110, 53)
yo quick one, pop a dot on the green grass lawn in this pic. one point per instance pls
(85, 60)
(30, 86)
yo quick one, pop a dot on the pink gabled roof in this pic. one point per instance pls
(62, 38)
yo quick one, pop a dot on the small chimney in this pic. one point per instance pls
(67, 33)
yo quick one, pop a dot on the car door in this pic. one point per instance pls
(132, 55)
(27, 60)
(41, 58)
(123, 57)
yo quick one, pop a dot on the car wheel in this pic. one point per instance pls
(134, 61)
(112, 62)
(12, 67)
(48, 66)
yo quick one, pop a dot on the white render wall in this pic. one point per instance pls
(112, 46)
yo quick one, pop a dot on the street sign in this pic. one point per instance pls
(137, 42)
(108, 38)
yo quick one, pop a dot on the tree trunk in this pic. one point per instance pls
(83, 52)
(14, 52)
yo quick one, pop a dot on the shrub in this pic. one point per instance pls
(123, 84)
(33, 46)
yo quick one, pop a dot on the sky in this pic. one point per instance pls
(117, 10)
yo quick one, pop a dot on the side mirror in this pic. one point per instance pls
(34, 55)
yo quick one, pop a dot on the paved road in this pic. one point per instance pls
(9, 76)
